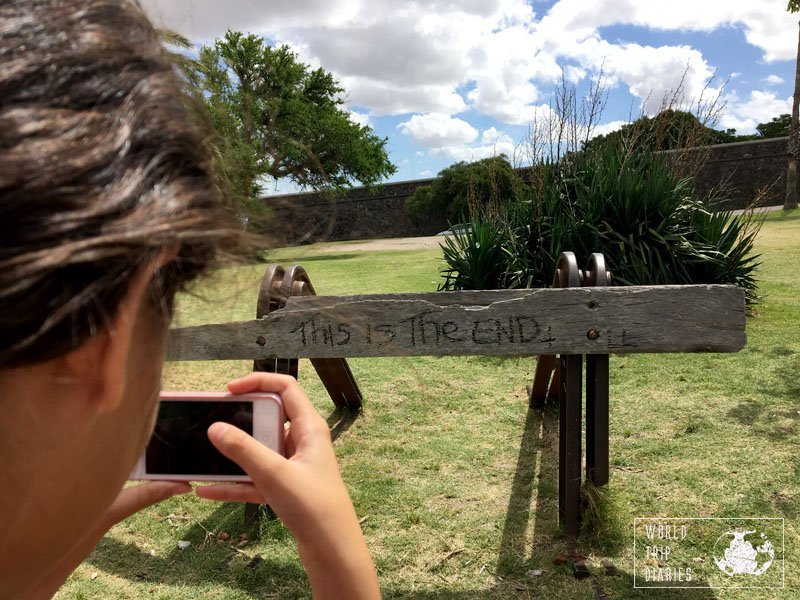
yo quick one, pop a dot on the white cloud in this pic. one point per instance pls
(203, 20)
(426, 173)
(507, 64)
(606, 128)
(491, 143)
(494, 57)
(492, 136)
(446, 137)
(396, 49)
(766, 23)
(436, 130)
(651, 74)
(574, 74)
(389, 59)
(774, 80)
(760, 107)
(473, 153)
(388, 98)
(362, 119)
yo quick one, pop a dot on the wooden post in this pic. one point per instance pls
(539, 390)
(597, 394)
(597, 419)
(277, 286)
(569, 431)
(567, 275)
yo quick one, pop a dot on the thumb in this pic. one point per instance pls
(134, 499)
(259, 462)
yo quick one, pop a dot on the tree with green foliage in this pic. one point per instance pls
(794, 132)
(178, 46)
(669, 130)
(673, 129)
(276, 117)
(462, 189)
(779, 126)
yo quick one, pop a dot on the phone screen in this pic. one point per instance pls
(179, 444)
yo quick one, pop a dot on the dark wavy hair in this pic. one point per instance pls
(102, 167)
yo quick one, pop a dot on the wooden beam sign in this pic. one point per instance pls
(616, 320)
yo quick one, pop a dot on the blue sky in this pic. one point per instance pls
(448, 80)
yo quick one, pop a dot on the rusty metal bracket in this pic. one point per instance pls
(567, 275)
(277, 287)
(560, 378)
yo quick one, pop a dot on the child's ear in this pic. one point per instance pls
(102, 361)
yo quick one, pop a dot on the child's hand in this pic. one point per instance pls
(304, 489)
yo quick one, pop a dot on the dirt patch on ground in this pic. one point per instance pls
(410, 243)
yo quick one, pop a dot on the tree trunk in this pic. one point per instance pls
(794, 139)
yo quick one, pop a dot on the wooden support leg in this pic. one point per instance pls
(597, 419)
(251, 514)
(569, 459)
(339, 381)
(539, 389)
(555, 385)
(285, 366)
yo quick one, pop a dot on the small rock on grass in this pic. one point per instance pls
(533, 573)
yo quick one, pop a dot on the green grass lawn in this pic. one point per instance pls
(455, 479)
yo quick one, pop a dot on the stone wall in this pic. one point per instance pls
(746, 171)
(743, 171)
(355, 215)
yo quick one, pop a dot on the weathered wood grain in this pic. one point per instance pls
(617, 320)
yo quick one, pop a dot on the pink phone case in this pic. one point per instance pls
(268, 428)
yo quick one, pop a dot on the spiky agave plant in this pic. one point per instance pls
(474, 257)
(631, 206)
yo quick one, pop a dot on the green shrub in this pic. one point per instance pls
(464, 189)
(476, 256)
(631, 207)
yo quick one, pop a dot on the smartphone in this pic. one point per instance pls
(179, 449)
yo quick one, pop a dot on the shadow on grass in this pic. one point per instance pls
(622, 587)
(517, 590)
(206, 560)
(534, 448)
(770, 420)
(536, 472)
(340, 420)
(787, 372)
(319, 257)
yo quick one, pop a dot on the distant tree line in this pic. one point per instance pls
(463, 189)
(673, 129)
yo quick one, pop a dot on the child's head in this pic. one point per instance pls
(101, 170)
(108, 205)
